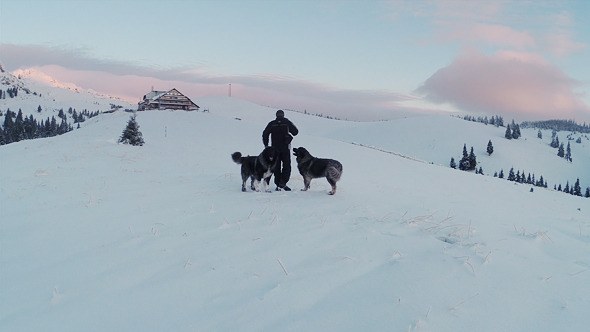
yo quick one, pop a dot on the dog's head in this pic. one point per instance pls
(269, 154)
(300, 153)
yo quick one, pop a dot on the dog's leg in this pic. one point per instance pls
(306, 183)
(257, 185)
(333, 184)
(267, 184)
(251, 183)
(333, 190)
(244, 179)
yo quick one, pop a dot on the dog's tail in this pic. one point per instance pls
(334, 171)
(236, 157)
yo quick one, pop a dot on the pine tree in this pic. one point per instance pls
(540, 134)
(490, 148)
(511, 176)
(29, 127)
(453, 164)
(464, 162)
(501, 175)
(508, 133)
(8, 127)
(472, 160)
(131, 134)
(560, 152)
(63, 127)
(568, 153)
(577, 189)
(515, 130)
(555, 142)
(19, 127)
(53, 127)
(587, 192)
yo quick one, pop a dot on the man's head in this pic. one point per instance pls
(280, 114)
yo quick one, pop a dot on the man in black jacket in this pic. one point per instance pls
(280, 131)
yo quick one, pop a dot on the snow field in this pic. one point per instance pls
(99, 236)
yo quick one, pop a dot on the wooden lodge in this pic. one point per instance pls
(166, 100)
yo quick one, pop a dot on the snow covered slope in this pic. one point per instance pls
(438, 138)
(37, 90)
(98, 236)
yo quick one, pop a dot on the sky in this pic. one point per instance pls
(352, 59)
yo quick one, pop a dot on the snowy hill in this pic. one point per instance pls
(438, 138)
(39, 90)
(98, 236)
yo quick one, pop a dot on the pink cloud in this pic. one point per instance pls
(469, 10)
(523, 85)
(561, 44)
(473, 22)
(546, 26)
(491, 34)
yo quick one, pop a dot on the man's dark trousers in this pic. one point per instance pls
(282, 174)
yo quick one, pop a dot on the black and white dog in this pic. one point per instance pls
(311, 167)
(258, 168)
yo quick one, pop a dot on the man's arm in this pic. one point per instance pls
(265, 135)
(292, 129)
